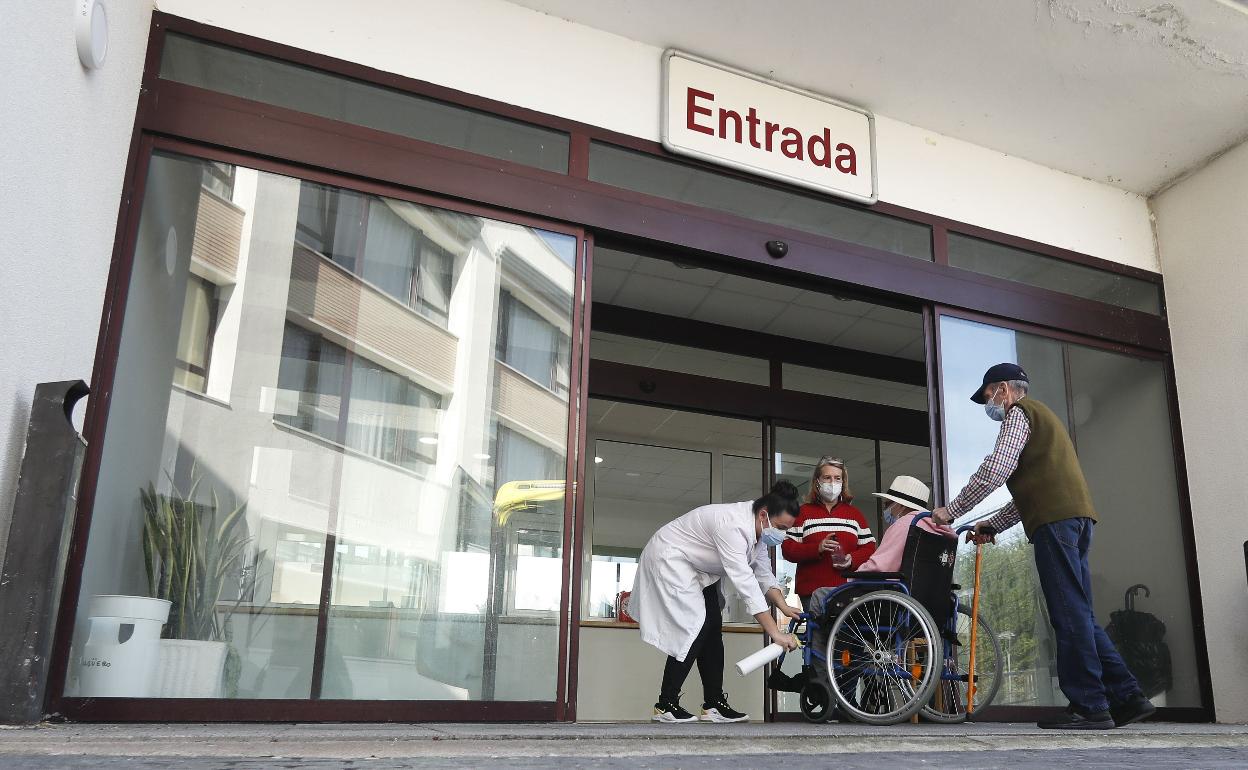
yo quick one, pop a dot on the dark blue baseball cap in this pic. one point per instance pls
(999, 373)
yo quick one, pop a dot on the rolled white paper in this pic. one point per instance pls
(759, 659)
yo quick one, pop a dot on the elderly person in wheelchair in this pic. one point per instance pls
(889, 644)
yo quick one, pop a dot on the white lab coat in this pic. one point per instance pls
(687, 555)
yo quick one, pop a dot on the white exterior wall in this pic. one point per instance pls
(66, 136)
(1202, 231)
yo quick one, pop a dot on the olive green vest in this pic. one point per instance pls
(1048, 484)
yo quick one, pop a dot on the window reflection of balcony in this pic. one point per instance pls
(218, 237)
(529, 406)
(354, 312)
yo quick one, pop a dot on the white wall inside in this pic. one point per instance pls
(1202, 231)
(66, 137)
(523, 57)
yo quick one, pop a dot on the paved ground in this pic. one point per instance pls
(687, 747)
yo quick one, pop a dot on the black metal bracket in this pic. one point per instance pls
(34, 562)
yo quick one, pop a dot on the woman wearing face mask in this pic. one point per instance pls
(677, 600)
(830, 535)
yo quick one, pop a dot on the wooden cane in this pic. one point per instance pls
(970, 691)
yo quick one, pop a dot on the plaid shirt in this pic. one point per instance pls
(995, 471)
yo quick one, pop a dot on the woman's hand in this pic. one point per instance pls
(787, 641)
(789, 611)
(830, 545)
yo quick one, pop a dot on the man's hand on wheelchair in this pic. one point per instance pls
(983, 533)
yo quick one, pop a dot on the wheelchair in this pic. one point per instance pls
(889, 646)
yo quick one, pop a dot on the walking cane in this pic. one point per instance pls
(979, 559)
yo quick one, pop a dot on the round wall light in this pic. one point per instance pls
(91, 32)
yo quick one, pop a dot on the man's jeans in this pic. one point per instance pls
(1089, 669)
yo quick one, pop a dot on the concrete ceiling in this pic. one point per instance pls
(1127, 92)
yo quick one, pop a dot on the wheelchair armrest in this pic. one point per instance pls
(873, 575)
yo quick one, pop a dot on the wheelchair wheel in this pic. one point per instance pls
(948, 704)
(815, 702)
(883, 657)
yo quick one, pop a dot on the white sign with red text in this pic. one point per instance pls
(732, 118)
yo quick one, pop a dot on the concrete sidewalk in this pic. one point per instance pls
(607, 745)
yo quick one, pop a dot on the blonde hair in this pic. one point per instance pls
(812, 496)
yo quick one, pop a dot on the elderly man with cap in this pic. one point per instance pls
(1035, 458)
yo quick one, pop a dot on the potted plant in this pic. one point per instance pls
(191, 550)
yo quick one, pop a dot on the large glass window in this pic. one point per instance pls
(372, 501)
(1115, 407)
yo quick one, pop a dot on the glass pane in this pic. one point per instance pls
(1055, 274)
(259, 78)
(676, 289)
(1132, 477)
(897, 460)
(1008, 575)
(637, 489)
(795, 454)
(390, 474)
(824, 382)
(677, 181)
(678, 460)
(1122, 427)
(679, 358)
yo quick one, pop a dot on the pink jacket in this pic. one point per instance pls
(887, 557)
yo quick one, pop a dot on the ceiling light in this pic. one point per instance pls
(481, 456)
(632, 474)
(428, 439)
(597, 459)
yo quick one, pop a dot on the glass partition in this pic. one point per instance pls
(1117, 413)
(336, 447)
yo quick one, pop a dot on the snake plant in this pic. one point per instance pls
(190, 551)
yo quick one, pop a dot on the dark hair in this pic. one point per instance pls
(781, 499)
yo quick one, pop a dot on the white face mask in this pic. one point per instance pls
(830, 491)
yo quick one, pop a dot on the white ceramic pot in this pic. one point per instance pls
(190, 669)
(119, 658)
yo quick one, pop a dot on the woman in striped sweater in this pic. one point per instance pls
(830, 535)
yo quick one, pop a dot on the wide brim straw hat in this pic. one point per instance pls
(908, 491)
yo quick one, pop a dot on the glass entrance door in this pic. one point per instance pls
(336, 453)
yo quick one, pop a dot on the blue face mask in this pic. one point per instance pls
(889, 518)
(772, 537)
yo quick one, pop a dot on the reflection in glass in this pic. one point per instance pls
(347, 379)
(1118, 417)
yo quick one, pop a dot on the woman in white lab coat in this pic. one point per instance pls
(676, 595)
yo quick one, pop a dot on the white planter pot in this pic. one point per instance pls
(119, 658)
(190, 669)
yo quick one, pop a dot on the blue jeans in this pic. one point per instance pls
(1089, 669)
